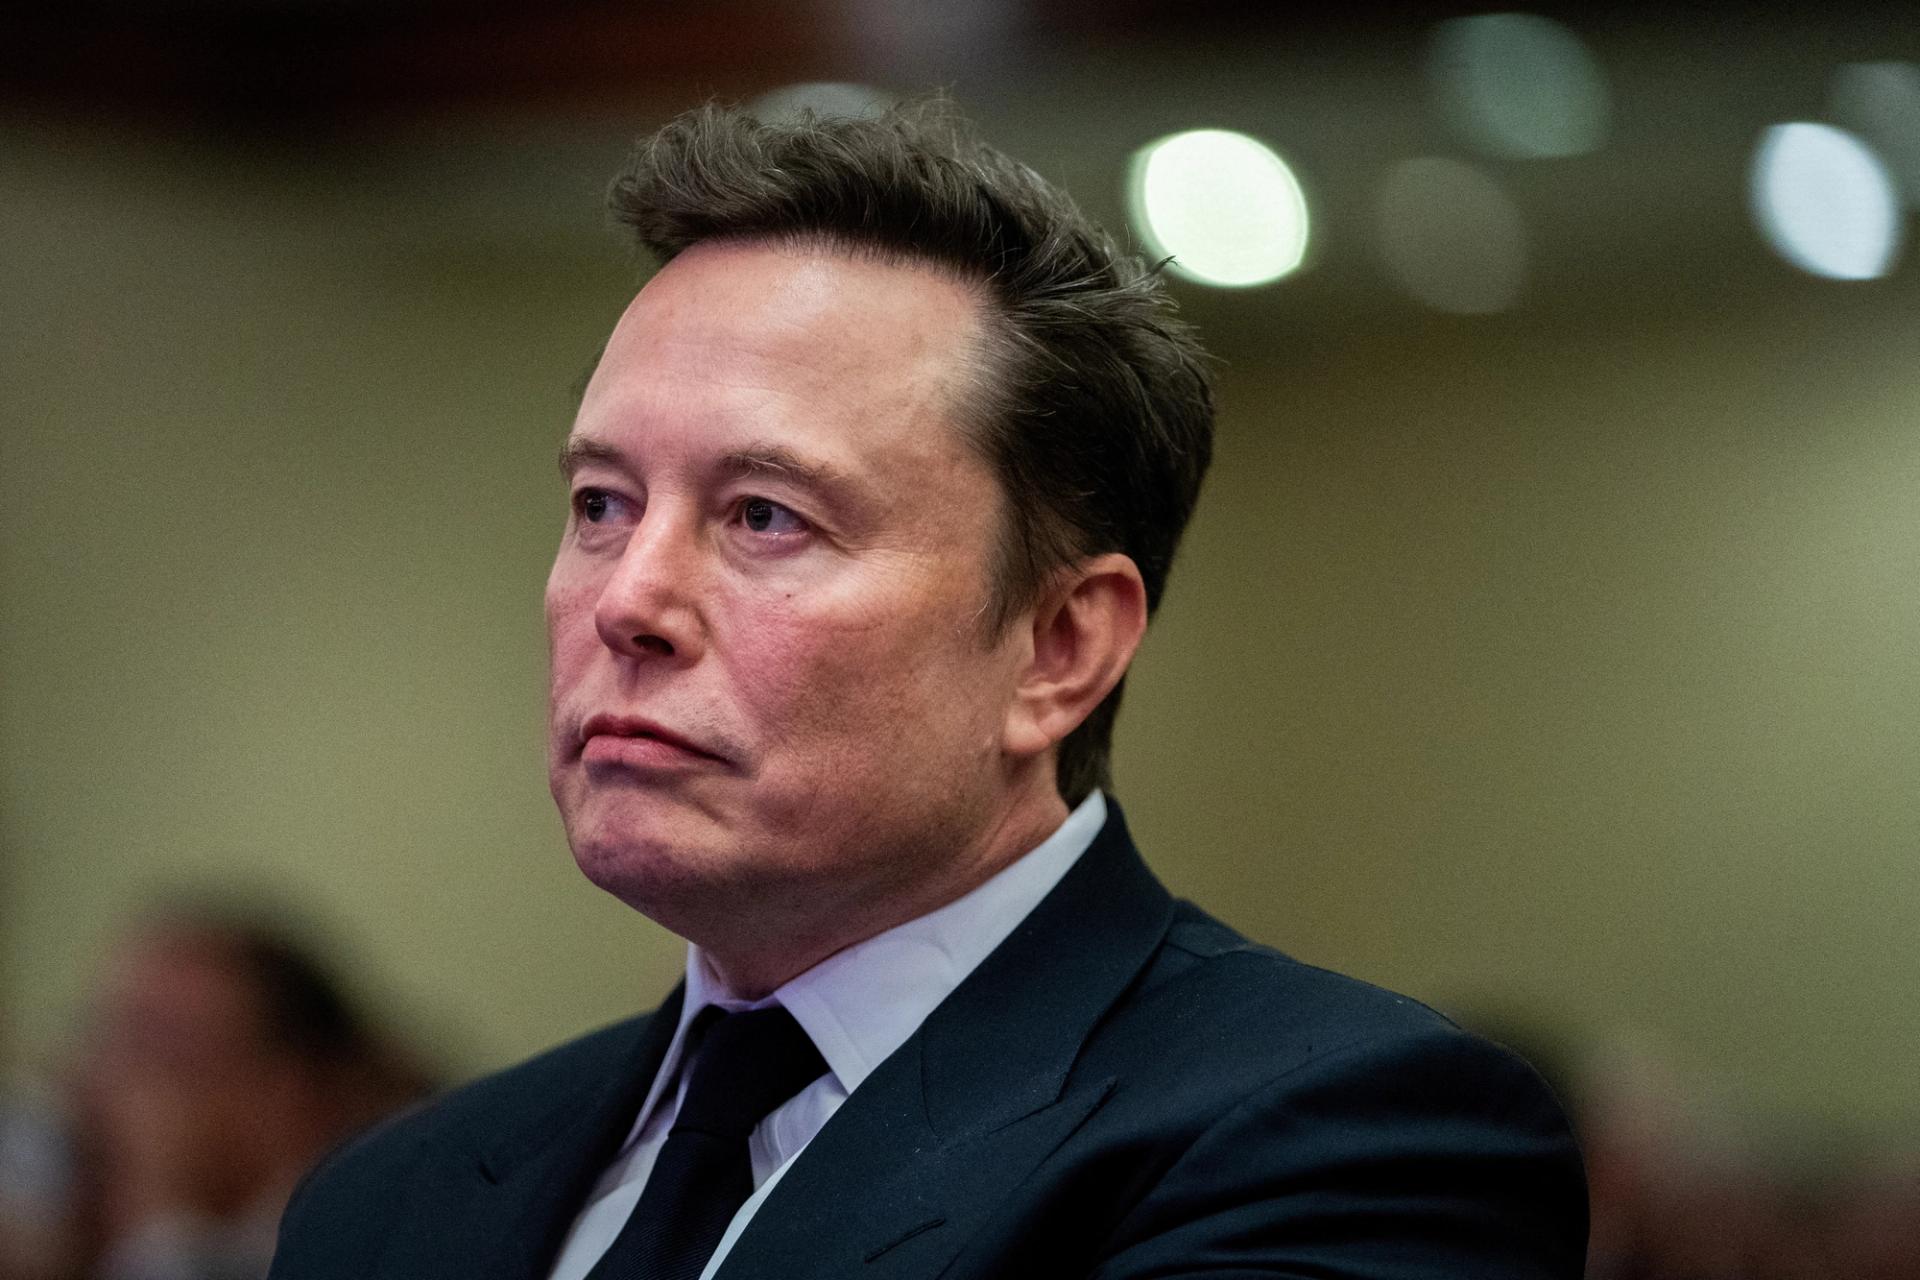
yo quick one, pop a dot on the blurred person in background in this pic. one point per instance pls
(1686, 1187)
(35, 1180)
(221, 1060)
(1876, 1219)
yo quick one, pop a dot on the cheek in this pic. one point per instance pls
(570, 628)
(790, 668)
(852, 691)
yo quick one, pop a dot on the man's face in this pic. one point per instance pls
(772, 695)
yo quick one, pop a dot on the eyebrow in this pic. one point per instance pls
(576, 452)
(778, 460)
(755, 459)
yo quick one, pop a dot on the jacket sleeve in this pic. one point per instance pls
(1432, 1154)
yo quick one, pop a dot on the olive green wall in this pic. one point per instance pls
(1561, 665)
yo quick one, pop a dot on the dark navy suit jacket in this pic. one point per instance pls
(1124, 1088)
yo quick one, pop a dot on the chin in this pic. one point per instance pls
(649, 878)
(652, 865)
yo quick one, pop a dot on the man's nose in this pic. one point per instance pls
(648, 607)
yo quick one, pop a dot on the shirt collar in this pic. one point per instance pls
(860, 1004)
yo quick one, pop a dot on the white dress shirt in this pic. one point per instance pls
(857, 1005)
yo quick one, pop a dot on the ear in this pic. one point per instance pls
(1085, 631)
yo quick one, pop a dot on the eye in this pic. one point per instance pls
(592, 505)
(763, 515)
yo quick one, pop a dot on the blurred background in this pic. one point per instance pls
(1547, 643)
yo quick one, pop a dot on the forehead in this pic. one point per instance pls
(795, 340)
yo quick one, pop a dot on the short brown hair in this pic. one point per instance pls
(1097, 408)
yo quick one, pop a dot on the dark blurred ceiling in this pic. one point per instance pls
(507, 116)
(270, 65)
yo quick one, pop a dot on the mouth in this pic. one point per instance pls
(609, 739)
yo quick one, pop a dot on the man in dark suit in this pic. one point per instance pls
(872, 494)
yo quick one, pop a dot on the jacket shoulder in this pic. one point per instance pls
(541, 1083)
(338, 1211)
(1314, 1123)
(506, 1099)
(1263, 991)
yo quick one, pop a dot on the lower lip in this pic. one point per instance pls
(639, 753)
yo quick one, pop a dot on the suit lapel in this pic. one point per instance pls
(972, 1102)
(527, 1184)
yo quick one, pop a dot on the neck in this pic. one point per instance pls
(753, 966)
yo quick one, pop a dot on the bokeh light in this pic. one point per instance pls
(1519, 85)
(1880, 101)
(1825, 202)
(1451, 236)
(1223, 205)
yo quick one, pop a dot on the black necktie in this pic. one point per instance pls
(747, 1064)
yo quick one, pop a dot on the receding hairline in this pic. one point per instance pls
(830, 242)
(982, 360)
